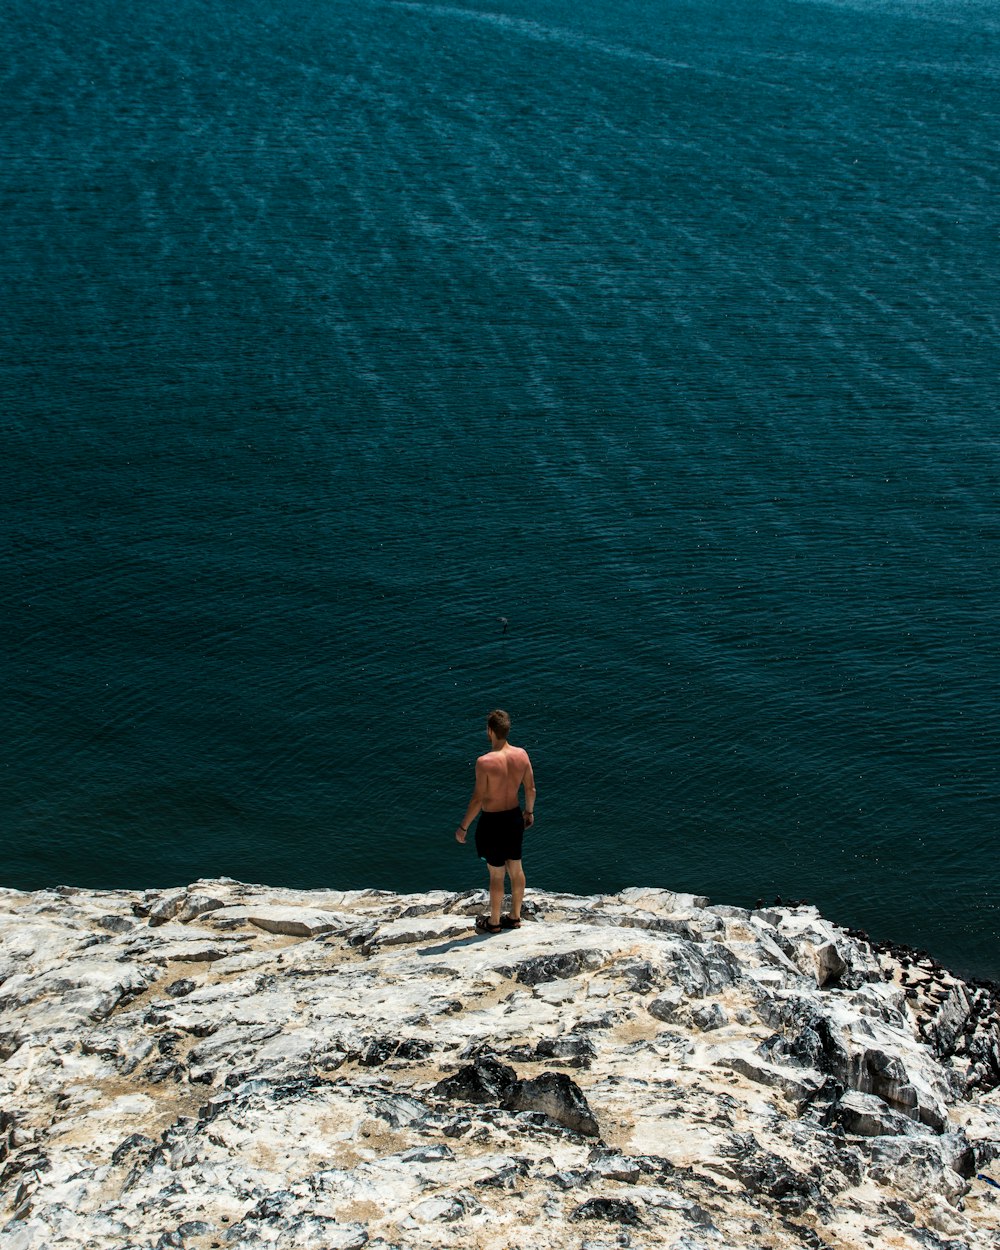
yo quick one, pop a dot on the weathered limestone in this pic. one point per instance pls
(237, 1066)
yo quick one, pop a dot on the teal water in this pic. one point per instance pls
(668, 331)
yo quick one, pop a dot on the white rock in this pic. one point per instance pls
(556, 992)
(288, 1095)
(869, 1116)
(798, 1084)
(441, 1208)
(666, 902)
(290, 921)
(422, 929)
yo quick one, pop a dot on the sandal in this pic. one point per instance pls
(508, 922)
(484, 925)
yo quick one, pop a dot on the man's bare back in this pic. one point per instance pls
(499, 775)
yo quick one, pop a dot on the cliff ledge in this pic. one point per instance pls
(229, 1065)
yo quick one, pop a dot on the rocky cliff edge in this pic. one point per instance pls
(236, 1066)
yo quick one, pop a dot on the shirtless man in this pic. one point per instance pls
(500, 773)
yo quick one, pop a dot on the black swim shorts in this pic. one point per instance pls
(499, 836)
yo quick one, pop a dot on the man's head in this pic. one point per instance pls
(498, 725)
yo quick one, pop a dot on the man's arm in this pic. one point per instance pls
(529, 797)
(475, 803)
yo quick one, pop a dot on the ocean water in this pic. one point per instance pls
(335, 332)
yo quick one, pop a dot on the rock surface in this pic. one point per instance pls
(237, 1066)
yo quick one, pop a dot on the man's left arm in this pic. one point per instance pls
(529, 796)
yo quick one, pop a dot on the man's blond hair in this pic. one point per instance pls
(499, 722)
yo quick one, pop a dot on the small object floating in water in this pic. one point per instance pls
(503, 622)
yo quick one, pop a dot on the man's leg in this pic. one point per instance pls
(496, 891)
(516, 874)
